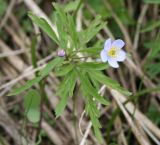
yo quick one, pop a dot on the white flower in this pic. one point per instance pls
(113, 53)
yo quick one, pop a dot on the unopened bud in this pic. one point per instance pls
(61, 53)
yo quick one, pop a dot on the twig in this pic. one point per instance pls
(12, 53)
(151, 134)
(135, 130)
(51, 133)
(29, 71)
(139, 23)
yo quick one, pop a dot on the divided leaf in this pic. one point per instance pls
(90, 90)
(94, 114)
(86, 35)
(100, 77)
(65, 91)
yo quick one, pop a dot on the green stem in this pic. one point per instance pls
(41, 83)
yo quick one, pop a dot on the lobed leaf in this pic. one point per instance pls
(65, 91)
(88, 88)
(100, 77)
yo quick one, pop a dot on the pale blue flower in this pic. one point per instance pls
(113, 52)
(61, 53)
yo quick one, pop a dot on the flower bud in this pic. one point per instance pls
(61, 53)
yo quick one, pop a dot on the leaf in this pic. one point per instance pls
(155, 49)
(43, 73)
(29, 84)
(32, 99)
(154, 113)
(150, 26)
(71, 6)
(152, 64)
(72, 31)
(97, 75)
(32, 104)
(61, 105)
(93, 66)
(3, 6)
(61, 23)
(88, 88)
(61, 31)
(152, 1)
(63, 70)
(65, 91)
(86, 35)
(43, 24)
(94, 113)
(50, 66)
(91, 50)
(33, 115)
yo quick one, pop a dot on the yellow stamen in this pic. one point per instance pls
(112, 52)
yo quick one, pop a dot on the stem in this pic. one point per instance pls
(41, 83)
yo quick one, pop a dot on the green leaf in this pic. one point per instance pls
(65, 90)
(88, 88)
(29, 84)
(71, 6)
(95, 26)
(63, 70)
(153, 113)
(152, 1)
(61, 31)
(155, 49)
(72, 31)
(150, 26)
(43, 73)
(43, 24)
(32, 104)
(61, 105)
(60, 11)
(32, 99)
(92, 50)
(50, 66)
(33, 115)
(61, 23)
(94, 113)
(3, 7)
(152, 65)
(97, 75)
(93, 66)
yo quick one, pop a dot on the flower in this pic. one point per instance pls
(113, 53)
(61, 53)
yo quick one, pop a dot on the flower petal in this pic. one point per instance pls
(104, 57)
(121, 56)
(118, 43)
(107, 44)
(113, 63)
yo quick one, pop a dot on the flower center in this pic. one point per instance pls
(112, 52)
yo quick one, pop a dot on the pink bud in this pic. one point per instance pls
(61, 53)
